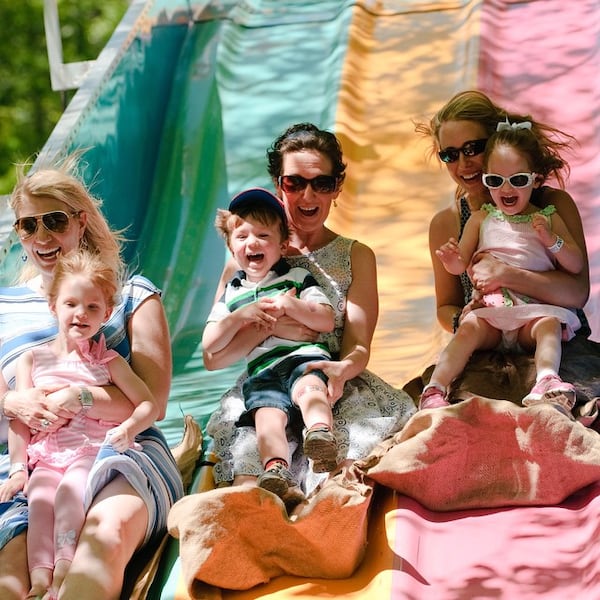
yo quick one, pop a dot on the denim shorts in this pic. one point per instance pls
(272, 387)
(13, 514)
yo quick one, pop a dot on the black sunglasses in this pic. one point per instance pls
(56, 221)
(470, 148)
(323, 184)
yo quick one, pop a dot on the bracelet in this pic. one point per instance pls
(16, 468)
(558, 244)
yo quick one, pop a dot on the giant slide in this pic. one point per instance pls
(177, 113)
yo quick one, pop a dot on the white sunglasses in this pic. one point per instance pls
(518, 180)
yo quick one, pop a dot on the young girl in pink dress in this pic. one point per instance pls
(517, 161)
(52, 468)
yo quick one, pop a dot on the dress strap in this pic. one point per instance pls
(464, 214)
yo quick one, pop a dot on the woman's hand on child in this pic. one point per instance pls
(334, 369)
(12, 485)
(487, 272)
(64, 402)
(32, 408)
(290, 329)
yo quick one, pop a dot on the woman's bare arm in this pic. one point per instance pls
(449, 293)
(151, 357)
(238, 348)
(228, 271)
(362, 311)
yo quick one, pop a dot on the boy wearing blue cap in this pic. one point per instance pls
(281, 386)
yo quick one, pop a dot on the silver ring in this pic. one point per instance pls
(44, 423)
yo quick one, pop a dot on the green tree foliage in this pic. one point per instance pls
(29, 108)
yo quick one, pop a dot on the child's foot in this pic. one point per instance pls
(433, 397)
(41, 579)
(277, 479)
(61, 566)
(553, 390)
(321, 446)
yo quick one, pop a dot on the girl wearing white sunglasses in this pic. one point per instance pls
(516, 162)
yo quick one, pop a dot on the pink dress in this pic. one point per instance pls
(82, 435)
(513, 240)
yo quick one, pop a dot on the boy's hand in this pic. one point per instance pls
(282, 304)
(259, 313)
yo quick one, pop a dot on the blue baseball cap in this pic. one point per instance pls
(255, 196)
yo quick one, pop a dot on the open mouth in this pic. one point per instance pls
(255, 257)
(48, 255)
(308, 212)
(509, 201)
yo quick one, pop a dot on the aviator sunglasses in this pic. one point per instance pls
(518, 180)
(470, 148)
(323, 184)
(56, 221)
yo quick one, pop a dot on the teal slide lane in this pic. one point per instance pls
(177, 122)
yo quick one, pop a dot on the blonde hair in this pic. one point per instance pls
(62, 182)
(89, 265)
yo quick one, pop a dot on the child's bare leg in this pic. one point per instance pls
(546, 335)
(270, 424)
(273, 448)
(472, 334)
(310, 395)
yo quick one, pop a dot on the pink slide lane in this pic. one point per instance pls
(523, 553)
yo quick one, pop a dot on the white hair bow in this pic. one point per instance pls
(502, 126)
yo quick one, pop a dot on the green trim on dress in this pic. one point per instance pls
(495, 212)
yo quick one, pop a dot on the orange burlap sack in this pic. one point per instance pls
(239, 537)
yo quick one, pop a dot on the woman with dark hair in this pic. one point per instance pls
(307, 169)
